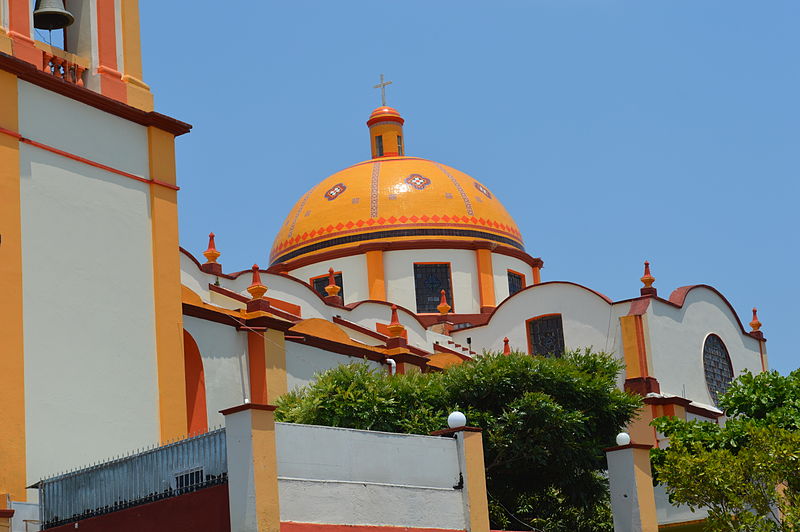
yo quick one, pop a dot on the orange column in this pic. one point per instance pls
(138, 92)
(111, 84)
(537, 275)
(167, 286)
(12, 393)
(257, 367)
(21, 31)
(375, 275)
(485, 279)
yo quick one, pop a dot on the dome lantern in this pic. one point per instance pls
(386, 132)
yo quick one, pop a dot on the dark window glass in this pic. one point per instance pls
(515, 283)
(717, 365)
(399, 145)
(321, 282)
(379, 145)
(546, 336)
(429, 281)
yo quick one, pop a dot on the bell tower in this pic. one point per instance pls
(102, 45)
(91, 341)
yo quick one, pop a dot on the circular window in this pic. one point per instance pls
(717, 365)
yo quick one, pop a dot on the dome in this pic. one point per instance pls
(393, 199)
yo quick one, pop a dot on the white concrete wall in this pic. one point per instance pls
(340, 454)
(90, 364)
(224, 353)
(354, 275)
(399, 271)
(304, 362)
(588, 320)
(677, 336)
(501, 264)
(362, 503)
(345, 476)
(368, 314)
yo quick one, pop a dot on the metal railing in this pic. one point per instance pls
(140, 478)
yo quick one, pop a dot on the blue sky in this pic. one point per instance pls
(613, 131)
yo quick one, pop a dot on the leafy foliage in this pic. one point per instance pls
(545, 423)
(747, 472)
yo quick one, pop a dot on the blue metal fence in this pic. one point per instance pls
(155, 474)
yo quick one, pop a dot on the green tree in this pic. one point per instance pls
(747, 472)
(545, 422)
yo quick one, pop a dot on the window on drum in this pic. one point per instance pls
(429, 281)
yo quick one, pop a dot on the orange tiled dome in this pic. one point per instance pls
(391, 199)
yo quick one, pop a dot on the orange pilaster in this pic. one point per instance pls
(20, 30)
(167, 286)
(485, 278)
(537, 275)
(257, 366)
(137, 91)
(12, 362)
(375, 275)
(111, 84)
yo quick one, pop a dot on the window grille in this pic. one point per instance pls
(546, 336)
(321, 282)
(429, 281)
(516, 282)
(187, 481)
(717, 365)
(379, 145)
(399, 145)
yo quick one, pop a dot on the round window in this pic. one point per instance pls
(717, 365)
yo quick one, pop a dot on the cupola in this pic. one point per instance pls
(386, 132)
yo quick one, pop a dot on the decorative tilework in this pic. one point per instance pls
(447, 195)
(335, 191)
(417, 181)
(355, 201)
(373, 190)
(483, 190)
(299, 210)
(461, 192)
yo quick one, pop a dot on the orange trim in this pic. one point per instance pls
(84, 160)
(483, 259)
(640, 345)
(634, 346)
(131, 39)
(291, 526)
(167, 287)
(527, 328)
(452, 287)
(376, 276)
(12, 354)
(475, 481)
(537, 276)
(196, 411)
(257, 366)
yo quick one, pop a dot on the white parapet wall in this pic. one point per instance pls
(346, 476)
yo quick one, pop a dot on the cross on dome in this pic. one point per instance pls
(382, 86)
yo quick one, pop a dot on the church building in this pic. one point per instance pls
(113, 337)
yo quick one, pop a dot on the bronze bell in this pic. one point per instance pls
(51, 15)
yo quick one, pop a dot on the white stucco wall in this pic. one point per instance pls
(90, 364)
(500, 265)
(345, 476)
(399, 271)
(354, 275)
(224, 353)
(303, 362)
(588, 320)
(368, 314)
(343, 454)
(677, 336)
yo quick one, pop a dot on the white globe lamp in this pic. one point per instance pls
(623, 438)
(456, 419)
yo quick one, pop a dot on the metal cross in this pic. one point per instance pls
(382, 86)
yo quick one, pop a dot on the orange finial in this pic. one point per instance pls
(755, 324)
(443, 307)
(648, 281)
(211, 254)
(395, 327)
(506, 347)
(256, 288)
(332, 289)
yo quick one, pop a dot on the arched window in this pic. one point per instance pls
(546, 335)
(717, 365)
(196, 414)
